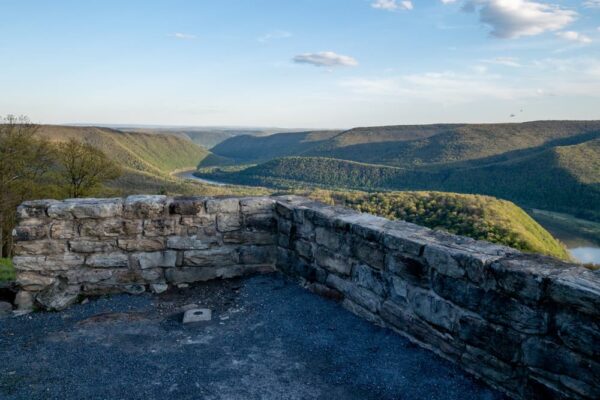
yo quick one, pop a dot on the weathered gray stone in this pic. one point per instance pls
(362, 312)
(433, 309)
(88, 275)
(328, 238)
(579, 288)
(188, 206)
(257, 205)
(370, 278)
(166, 259)
(224, 205)
(368, 253)
(161, 227)
(190, 243)
(332, 262)
(504, 343)
(212, 257)
(304, 249)
(202, 274)
(31, 232)
(59, 262)
(58, 296)
(108, 260)
(440, 258)
(410, 269)
(142, 244)
(508, 311)
(249, 237)
(579, 332)
(148, 207)
(64, 230)
(34, 209)
(459, 291)
(86, 208)
(227, 222)
(257, 254)
(24, 300)
(522, 276)
(197, 315)
(159, 288)
(111, 228)
(92, 246)
(41, 247)
(134, 289)
(550, 356)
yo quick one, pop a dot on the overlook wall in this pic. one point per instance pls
(526, 324)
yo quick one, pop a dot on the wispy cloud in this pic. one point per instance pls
(392, 5)
(591, 4)
(516, 18)
(325, 59)
(574, 37)
(506, 61)
(448, 1)
(274, 35)
(183, 36)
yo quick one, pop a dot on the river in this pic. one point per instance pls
(190, 175)
(581, 237)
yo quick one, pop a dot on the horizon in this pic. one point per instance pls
(317, 64)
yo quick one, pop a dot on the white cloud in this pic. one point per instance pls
(506, 61)
(448, 1)
(516, 18)
(325, 59)
(592, 3)
(439, 87)
(392, 5)
(274, 35)
(182, 36)
(574, 36)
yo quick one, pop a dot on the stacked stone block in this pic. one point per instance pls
(527, 324)
(96, 246)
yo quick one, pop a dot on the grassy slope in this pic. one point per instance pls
(479, 217)
(150, 153)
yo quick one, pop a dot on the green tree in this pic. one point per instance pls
(84, 168)
(24, 159)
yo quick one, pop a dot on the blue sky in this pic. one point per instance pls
(301, 63)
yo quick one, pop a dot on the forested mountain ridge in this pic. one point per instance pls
(561, 178)
(415, 145)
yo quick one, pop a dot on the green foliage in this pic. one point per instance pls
(478, 217)
(24, 159)
(7, 272)
(412, 146)
(83, 168)
(146, 152)
(565, 179)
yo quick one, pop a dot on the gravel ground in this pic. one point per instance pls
(268, 339)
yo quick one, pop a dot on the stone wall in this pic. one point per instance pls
(526, 324)
(96, 246)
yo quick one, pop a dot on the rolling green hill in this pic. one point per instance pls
(247, 149)
(415, 145)
(141, 152)
(562, 178)
(479, 217)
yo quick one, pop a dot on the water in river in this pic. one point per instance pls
(581, 237)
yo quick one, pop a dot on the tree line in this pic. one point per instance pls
(32, 167)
